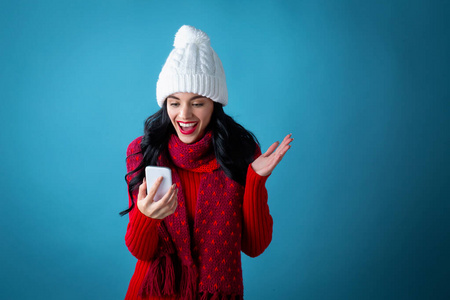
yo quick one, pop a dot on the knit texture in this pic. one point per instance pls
(192, 67)
(217, 230)
(142, 231)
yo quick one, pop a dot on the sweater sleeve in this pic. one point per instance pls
(257, 221)
(141, 237)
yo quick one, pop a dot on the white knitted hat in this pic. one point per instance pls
(192, 67)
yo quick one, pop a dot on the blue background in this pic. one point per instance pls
(360, 203)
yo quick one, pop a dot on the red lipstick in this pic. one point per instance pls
(188, 128)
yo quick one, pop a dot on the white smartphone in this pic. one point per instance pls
(152, 173)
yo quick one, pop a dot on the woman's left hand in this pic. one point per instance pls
(266, 162)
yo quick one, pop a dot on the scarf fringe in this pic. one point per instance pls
(160, 278)
(169, 282)
(189, 282)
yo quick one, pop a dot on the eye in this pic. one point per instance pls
(197, 104)
(174, 104)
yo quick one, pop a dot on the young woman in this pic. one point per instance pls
(188, 244)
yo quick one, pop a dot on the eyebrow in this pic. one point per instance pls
(193, 98)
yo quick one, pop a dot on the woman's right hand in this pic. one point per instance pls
(157, 209)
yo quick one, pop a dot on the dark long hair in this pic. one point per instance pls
(234, 146)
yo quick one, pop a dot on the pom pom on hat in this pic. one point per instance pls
(190, 35)
(192, 67)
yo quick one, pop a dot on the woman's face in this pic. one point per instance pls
(190, 115)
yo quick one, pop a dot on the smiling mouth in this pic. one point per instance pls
(187, 127)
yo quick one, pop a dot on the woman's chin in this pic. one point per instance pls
(189, 138)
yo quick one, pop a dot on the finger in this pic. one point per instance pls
(277, 157)
(142, 190)
(154, 188)
(163, 202)
(165, 199)
(271, 149)
(164, 208)
(173, 202)
(286, 141)
(282, 150)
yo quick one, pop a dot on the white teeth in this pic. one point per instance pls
(187, 125)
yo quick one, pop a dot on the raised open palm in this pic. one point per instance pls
(266, 162)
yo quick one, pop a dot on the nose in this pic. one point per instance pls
(185, 112)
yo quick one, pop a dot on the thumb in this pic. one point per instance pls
(142, 190)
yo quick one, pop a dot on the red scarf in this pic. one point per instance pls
(206, 265)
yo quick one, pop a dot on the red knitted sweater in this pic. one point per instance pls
(142, 233)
